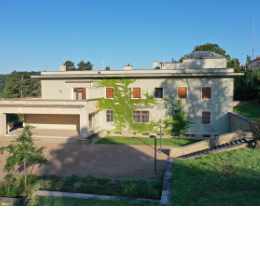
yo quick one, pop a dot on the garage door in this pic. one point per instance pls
(68, 122)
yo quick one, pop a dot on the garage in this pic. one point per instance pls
(44, 121)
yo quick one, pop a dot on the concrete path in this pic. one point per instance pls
(58, 194)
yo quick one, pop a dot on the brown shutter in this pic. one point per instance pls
(182, 92)
(109, 92)
(136, 92)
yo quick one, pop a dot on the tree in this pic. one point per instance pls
(107, 68)
(20, 84)
(70, 66)
(177, 122)
(213, 47)
(23, 155)
(85, 65)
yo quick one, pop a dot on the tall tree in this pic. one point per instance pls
(20, 84)
(85, 65)
(70, 66)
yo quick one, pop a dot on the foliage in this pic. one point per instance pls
(248, 87)
(70, 65)
(249, 109)
(2, 84)
(176, 122)
(107, 68)
(143, 140)
(137, 188)
(83, 65)
(23, 155)
(123, 106)
(213, 47)
(20, 84)
(229, 178)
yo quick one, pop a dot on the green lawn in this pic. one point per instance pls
(144, 140)
(230, 178)
(50, 201)
(249, 109)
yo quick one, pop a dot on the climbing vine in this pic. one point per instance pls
(123, 105)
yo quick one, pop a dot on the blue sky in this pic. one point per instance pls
(40, 35)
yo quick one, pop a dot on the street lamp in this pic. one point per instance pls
(155, 153)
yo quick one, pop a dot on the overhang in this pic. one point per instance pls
(181, 73)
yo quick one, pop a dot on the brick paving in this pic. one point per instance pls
(82, 159)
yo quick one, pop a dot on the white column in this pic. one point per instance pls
(83, 121)
(2, 124)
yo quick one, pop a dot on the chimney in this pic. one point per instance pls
(128, 67)
(62, 68)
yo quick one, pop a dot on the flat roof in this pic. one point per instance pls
(134, 73)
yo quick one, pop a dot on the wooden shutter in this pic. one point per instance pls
(136, 92)
(109, 92)
(206, 93)
(182, 92)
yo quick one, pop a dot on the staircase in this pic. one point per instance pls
(233, 145)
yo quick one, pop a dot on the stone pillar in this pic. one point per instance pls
(2, 124)
(83, 123)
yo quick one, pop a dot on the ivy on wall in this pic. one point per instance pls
(123, 106)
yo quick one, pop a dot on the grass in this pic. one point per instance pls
(230, 178)
(249, 109)
(50, 201)
(144, 140)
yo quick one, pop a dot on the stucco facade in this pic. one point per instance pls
(59, 98)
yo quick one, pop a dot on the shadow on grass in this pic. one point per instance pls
(217, 181)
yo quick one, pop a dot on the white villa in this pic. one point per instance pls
(70, 99)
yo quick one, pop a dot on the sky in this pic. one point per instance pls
(41, 35)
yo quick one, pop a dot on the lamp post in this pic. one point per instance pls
(155, 153)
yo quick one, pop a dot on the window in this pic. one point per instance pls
(158, 93)
(136, 92)
(110, 117)
(206, 93)
(109, 92)
(182, 92)
(141, 116)
(79, 93)
(206, 117)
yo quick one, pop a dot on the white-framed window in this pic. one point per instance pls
(141, 116)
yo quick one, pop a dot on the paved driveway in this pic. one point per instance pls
(83, 159)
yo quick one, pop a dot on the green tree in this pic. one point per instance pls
(107, 68)
(176, 122)
(20, 84)
(23, 155)
(85, 65)
(70, 66)
(213, 47)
